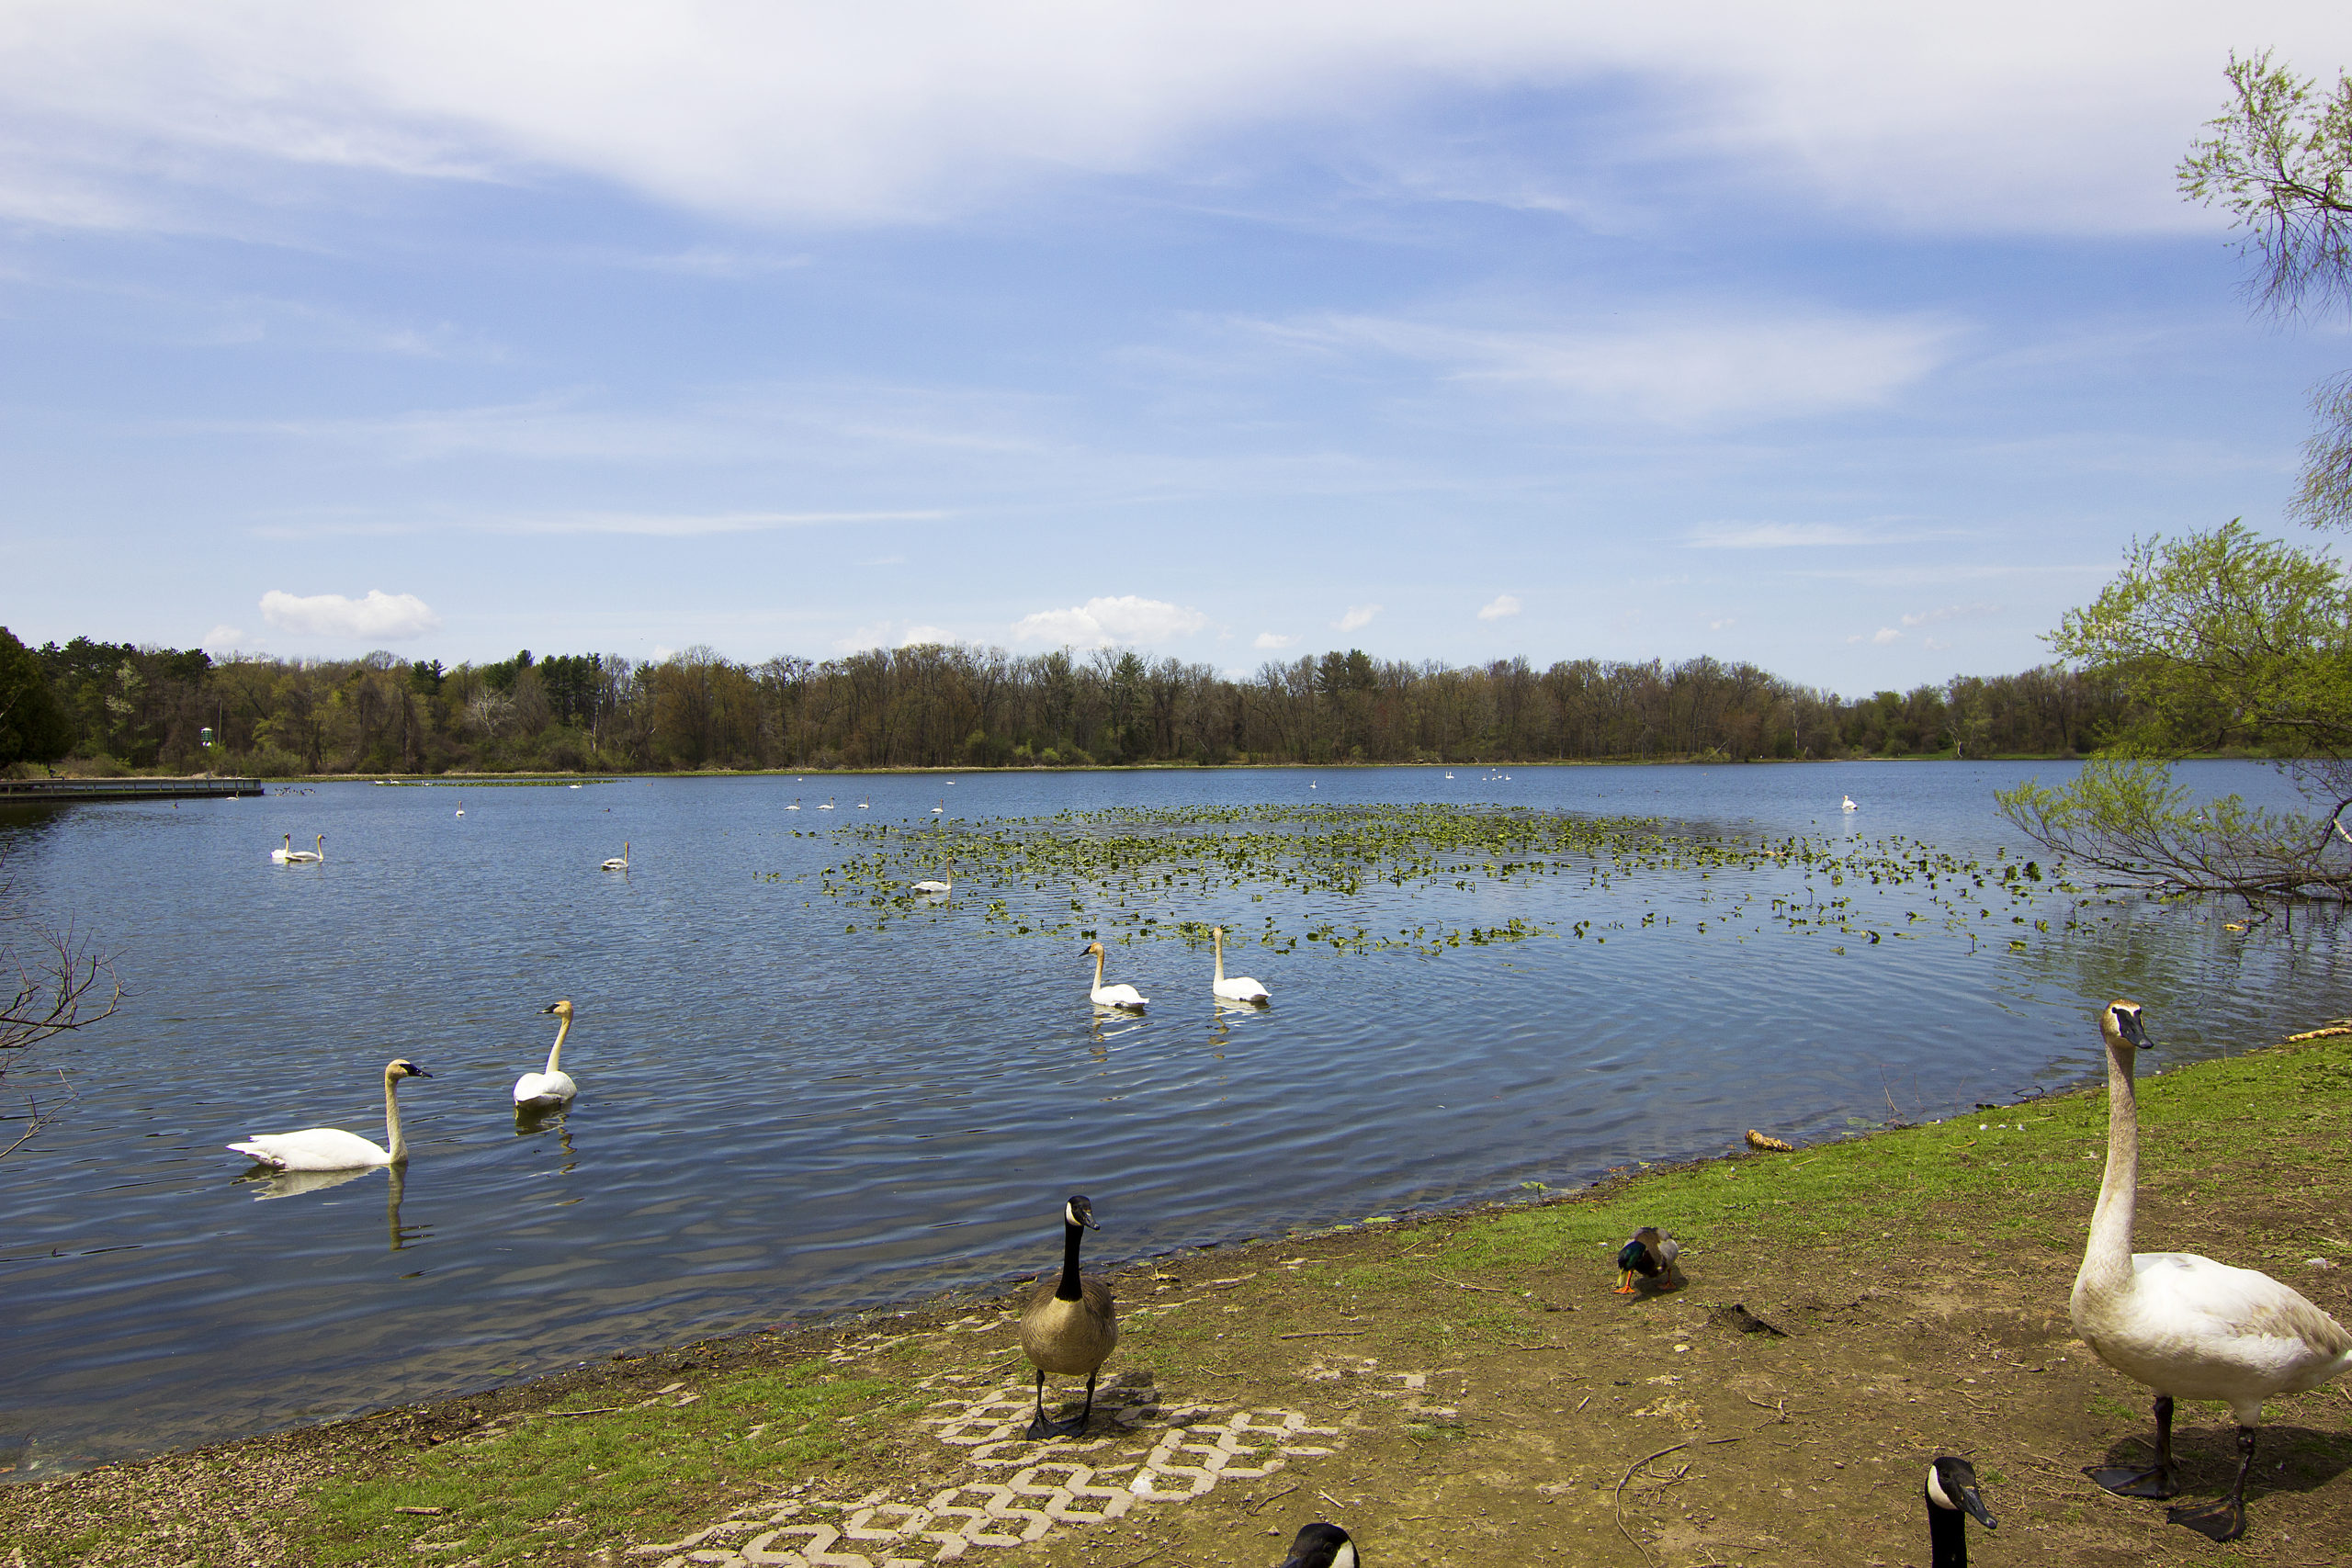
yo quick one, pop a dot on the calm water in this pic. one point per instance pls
(779, 1118)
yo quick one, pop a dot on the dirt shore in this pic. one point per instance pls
(1458, 1388)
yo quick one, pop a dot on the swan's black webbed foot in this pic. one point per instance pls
(2154, 1481)
(2222, 1519)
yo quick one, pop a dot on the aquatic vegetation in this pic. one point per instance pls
(1335, 874)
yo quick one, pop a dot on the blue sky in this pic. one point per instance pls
(1852, 344)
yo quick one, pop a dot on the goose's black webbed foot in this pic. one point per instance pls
(2154, 1481)
(2222, 1519)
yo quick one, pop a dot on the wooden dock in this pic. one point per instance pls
(47, 791)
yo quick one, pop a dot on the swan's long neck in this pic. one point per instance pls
(2106, 1257)
(1098, 971)
(1068, 1289)
(392, 1121)
(1219, 938)
(562, 1028)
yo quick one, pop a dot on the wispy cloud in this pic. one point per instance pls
(1950, 613)
(1502, 605)
(1107, 622)
(1357, 617)
(1268, 642)
(1777, 536)
(377, 617)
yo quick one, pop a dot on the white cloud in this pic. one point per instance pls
(915, 636)
(2010, 112)
(1774, 536)
(1886, 635)
(1502, 605)
(379, 618)
(1267, 642)
(1105, 622)
(1950, 613)
(1358, 617)
(1724, 625)
(223, 638)
(1700, 363)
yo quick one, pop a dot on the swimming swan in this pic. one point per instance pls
(544, 1091)
(1070, 1325)
(332, 1148)
(1105, 996)
(1847, 803)
(930, 885)
(1240, 989)
(2187, 1326)
(290, 855)
(620, 864)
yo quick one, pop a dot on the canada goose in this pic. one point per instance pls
(619, 865)
(290, 855)
(330, 1148)
(930, 885)
(1951, 1487)
(1651, 1254)
(542, 1091)
(1070, 1327)
(1320, 1545)
(1240, 989)
(1105, 996)
(2187, 1326)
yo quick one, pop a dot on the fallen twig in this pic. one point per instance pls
(1580, 1404)
(1465, 1285)
(1253, 1508)
(1617, 1497)
(1326, 1334)
(419, 1510)
(600, 1410)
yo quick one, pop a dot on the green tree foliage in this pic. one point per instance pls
(33, 724)
(2219, 640)
(2279, 160)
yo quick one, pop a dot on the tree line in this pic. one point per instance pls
(101, 706)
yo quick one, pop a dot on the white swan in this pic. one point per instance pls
(619, 865)
(1849, 803)
(867, 805)
(827, 806)
(929, 885)
(332, 1148)
(1240, 989)
(795, 803)
(2187, 1326)
(543, 1091)
(1105, 996)
(940, 809)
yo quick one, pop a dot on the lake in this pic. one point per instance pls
(795, 1100)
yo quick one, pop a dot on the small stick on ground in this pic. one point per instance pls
(1252, 1509)
(1617, 1497)
(1328, 1334)
(1465, 1285)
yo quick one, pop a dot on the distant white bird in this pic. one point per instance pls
(621, 864)
(575, 786)
(2186, 1325)
(827, 806)
(461, 811)
(867, 805)
(330, 1148)
(1240, 989)
(290, 855)
(544, 1091)
(1105, 996)
(1849, 805)
(940, 809)
(929, 885)
(795, 803)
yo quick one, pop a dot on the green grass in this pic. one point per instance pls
(583, 1481)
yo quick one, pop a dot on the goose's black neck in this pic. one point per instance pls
(1946, 1538)
(1069, 1290)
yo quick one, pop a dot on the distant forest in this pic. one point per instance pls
(131, 707)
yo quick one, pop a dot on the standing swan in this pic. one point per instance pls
(330, 1148)
(1105, 996)
(545, 1091)
(1951, 1488)
(1240, 989)
(2187, 1326)
(620, 864)
(1070, 1325)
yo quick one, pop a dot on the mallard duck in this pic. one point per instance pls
(1650, 1253)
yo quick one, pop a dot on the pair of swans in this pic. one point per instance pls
(290, 855)
(2185, 1325)
(333, 1149)
(1240, 988)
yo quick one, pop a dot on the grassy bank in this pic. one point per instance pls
(1918, 1275)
